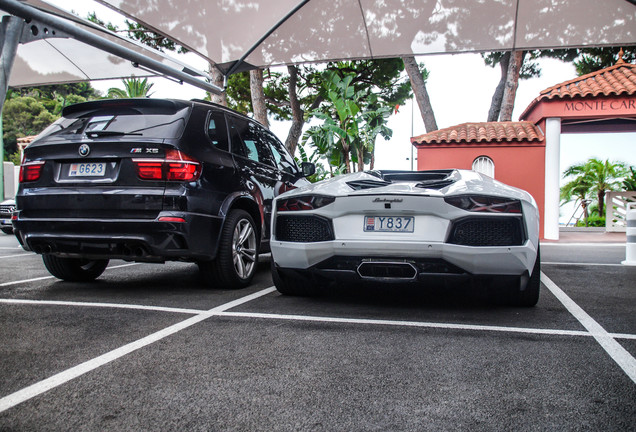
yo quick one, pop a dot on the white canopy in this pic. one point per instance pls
(240, 34)
(224, 31)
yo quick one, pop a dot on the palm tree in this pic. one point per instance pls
(629, 184)
(133, 88)
(577, 189)
(595, 177)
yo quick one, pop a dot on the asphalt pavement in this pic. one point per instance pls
(147, 347)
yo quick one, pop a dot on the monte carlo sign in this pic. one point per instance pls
(605, 106)
(600, 107)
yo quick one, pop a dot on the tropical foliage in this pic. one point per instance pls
(133, 88)
(590, 180)
(28, 111)
(382, 77)
(351, 121)
(629, 183)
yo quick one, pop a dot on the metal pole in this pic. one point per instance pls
(1, 160)
(10, 32)
(412, 116)
(27, 12)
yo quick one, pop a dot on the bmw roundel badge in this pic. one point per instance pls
(84, 150)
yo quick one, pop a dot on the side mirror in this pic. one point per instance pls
(308, 168)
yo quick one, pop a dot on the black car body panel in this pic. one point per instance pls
(165, 174)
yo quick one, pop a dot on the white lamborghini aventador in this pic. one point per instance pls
(407, 227)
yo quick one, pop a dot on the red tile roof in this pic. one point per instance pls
(616, 80)
(486, 132)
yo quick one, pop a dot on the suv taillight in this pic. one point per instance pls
(30, 171)
(176, 166)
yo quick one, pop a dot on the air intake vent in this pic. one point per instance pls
(435, 184)
(494, 231)
(303, 229)
(367, 184)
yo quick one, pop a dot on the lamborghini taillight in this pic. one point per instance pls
(305, 202)
(485, 204)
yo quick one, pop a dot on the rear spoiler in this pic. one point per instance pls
(122, 106)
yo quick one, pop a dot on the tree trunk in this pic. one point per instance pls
(345, 153)
(298, 114)
(497, 97)
(421, 95)
(585, 214)
(512, 82)
(217, 79)
(361, 158)
(347, 162)
(601, 203)
(258, 97)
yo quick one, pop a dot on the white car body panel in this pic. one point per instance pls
(433, 218)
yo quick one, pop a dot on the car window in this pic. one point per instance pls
(248, 140)
(283, 160)
(132, 122)
(216, 130)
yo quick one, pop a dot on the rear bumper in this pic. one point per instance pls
(128, 239)
(471, 260)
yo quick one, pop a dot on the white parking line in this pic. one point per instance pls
(79, 370)
(619, 354)
(102, 305)
(16, 255)
(51, 277)
(420, 324)
(25, 281)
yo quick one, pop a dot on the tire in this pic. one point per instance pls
(528, 295)
(7, 230)
(237, 255)
(74, 269)
(291, 286)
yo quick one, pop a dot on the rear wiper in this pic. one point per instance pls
(103, 133)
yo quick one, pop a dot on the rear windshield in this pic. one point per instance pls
(105, 123)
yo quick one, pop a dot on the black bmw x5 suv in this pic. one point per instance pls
(152, 181)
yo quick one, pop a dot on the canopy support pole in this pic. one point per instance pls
(28, 13)
(10, 33)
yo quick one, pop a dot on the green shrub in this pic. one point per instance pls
(592, 221)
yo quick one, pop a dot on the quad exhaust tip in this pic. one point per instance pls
(384, 270)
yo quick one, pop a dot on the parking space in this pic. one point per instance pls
(148, 347)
